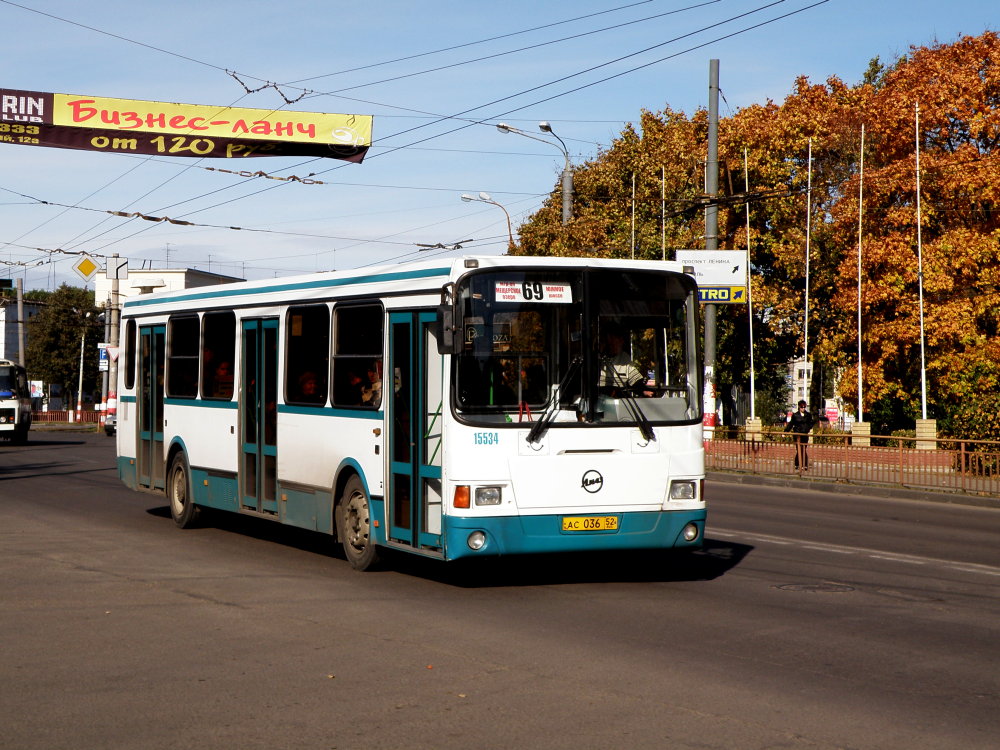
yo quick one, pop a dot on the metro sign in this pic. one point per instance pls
(728, 294)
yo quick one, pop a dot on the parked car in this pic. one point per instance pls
(110, 423)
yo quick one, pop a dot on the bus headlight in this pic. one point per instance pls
(690, 532)
(488, 496)
(476, 540)
(684, 490)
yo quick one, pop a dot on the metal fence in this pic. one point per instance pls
(93, 417)
(948, 465)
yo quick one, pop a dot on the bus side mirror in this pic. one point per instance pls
(447, 341)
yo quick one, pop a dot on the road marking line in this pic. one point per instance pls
(990, 570)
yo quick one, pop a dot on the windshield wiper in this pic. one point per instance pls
(645, 426)
(539, 428)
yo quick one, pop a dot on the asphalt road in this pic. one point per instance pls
(810, 621)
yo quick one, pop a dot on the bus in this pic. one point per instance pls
(478, 406)
(15, 402)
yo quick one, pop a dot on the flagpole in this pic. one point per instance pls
(753, 389)
(920, 278)
(805, 336)
(861, 186)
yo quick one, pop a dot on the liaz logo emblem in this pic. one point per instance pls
(592, 481)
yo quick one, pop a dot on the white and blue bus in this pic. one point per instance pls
(15, 402)
(464, 407)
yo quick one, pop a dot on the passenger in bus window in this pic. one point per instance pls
(223, 380)
(371, 395)
(309, 388)
(351, 394)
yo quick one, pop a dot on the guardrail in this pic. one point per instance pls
(90, 417)
(949, 465)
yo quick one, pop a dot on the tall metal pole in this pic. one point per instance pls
(861, 188)
(20, 322)
(633, 218)
(753, 389)
(113, 341)
(805, 334)
(105, 376)
(920, 279)
(711, 239)
(663, 213)
(79, 389)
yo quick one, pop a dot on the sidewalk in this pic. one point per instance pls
(843, 488)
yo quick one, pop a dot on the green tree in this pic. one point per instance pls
(54, 336)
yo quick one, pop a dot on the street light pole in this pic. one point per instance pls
(485, 198)
(567, 173)
(79, 389)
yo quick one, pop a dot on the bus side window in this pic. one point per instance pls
(183, 346)
(357, 358)
(130, 355)
(218, 353)
(307, 354)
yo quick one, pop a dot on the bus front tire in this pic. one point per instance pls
(182, 507)
(354, 526)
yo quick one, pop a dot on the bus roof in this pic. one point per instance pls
(417, 277)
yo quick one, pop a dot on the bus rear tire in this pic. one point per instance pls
(354, 525)
(182, 508)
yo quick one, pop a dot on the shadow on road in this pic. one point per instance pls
(715, 559)
(645, 566)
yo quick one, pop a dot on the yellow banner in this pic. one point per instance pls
(197, 130)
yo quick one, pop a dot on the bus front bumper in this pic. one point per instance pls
(518, 535)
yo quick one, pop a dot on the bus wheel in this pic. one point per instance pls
(182, 507)
(354, 525)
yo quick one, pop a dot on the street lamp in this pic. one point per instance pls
(567, 174)
(485, 198)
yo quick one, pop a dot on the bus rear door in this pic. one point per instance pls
(150, 406)
(259, 416)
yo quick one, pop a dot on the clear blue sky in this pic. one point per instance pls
(348, 57)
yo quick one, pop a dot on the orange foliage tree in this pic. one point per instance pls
(957, 88)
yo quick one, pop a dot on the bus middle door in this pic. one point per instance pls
(413, 407)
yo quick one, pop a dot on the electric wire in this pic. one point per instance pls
(467, 111)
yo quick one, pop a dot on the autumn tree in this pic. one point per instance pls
(803, 166)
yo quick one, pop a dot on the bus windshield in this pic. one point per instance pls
(587, 345)
(8, 381)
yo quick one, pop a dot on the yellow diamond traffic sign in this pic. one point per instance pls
(86, 267)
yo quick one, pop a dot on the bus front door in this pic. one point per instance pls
(412, 391)
(149, 406)
(259, 416)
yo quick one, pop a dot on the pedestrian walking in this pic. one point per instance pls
(800, 424)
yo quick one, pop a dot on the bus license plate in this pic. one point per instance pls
(590, 523)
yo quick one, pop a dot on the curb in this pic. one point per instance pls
(64, 427)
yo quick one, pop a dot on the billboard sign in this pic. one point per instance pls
(92, 123)
(721, 274)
